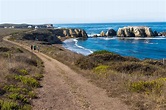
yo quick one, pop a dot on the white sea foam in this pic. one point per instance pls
(68, 40)
(91, 35)
(72, 44)
(107, 38)
(76, 44)
(139, 38)
(152, 43)
(147, 42)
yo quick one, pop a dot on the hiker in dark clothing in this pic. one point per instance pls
(31, 47)
(34, 47)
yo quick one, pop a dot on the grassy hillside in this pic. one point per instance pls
(140, 84)
(20, 73)
(11, 31)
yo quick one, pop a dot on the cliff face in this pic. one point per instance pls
(74, 33)
(135, 32)
(55, 35)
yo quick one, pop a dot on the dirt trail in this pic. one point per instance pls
(64, 89)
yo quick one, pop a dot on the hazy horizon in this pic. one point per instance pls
(81, 11)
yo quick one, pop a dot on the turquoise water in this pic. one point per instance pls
(154, 48)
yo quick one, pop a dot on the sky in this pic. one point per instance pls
(81, 11)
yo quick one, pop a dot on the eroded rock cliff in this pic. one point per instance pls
(55, 35)
(135, 32)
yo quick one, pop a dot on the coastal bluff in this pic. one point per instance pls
(135, 31)
(54, 35)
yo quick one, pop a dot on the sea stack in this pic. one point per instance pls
(135, 31)
(111, 32)
(102, 34)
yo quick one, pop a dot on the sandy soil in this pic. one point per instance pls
(64, 89)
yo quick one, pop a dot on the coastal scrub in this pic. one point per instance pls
(20, 74)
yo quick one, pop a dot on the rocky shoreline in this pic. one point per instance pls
(54, 36)
(131, 31)
(48, 33)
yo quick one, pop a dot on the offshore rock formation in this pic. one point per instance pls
(111, 32)
(155, 33)
(162, 34)
(135, 32)
(102, 34)
(55, 35)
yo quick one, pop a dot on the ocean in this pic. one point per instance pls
(142, 48)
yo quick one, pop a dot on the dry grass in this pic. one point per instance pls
(4, 32)
(140, 84)
(20, 73)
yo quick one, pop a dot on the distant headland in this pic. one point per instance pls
(30, 26)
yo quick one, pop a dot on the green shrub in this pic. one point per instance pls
(8, 105)
(14, 96)
(14, 89)
(38, 76)
(17, 96)
(32, 94)
(93, 60)
(11, 88)
(26, 107)
(27, 80)
(101, 69)
(23, 71)
(148, 86)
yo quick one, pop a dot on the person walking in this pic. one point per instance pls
(31, 47)
(38, 48)
(34, 47)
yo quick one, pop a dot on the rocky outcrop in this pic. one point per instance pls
(55, 35)
(135, 32)
(162, 34)
(73, 33)
(95, 35)
(155, 33)
(102, 34)
(111, 32)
